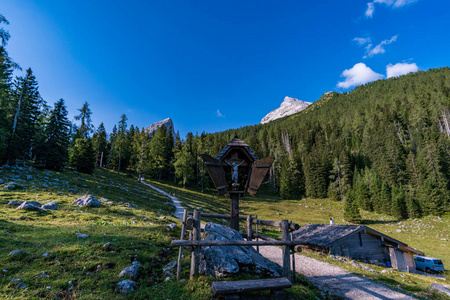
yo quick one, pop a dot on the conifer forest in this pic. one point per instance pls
(384, 146)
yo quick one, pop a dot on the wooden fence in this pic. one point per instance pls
(191, 221)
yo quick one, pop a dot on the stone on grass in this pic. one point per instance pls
(87, 200)
(226, 261)
(15, 203)
(45, 254)
(21, 285)
(440, 288)
(42, 275)
(172, 226)
(352, 262)
(30, 205)
(167, 269)
(50, 205)
(10, 186)
(126, 286)
(131, 271)
(107, 244)
(136, 263)
(82, 235)
(29, 177)
(15, 252)
(369, 269)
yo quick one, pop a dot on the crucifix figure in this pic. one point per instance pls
(235, 166)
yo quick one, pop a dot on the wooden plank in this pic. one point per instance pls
(285, 249)
(180, 251)
(249, 228)
(195, 258)
(216, 172)
(292, 226)
(184, 243)
(244, 286)
(258, 172)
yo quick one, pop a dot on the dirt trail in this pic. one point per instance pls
(179, 209)
(334, 279)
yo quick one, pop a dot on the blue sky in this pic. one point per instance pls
(214, 65)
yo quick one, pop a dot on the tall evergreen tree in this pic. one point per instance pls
(53, 152)
(351, 209)
(85, 129)
(82, 156)
(100, 143)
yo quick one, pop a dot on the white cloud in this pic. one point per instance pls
(379, 48)
(361, 41)
(400, 3)
(219, 114)
(400, 69)
(393, 3)
(370, 9)
(359, 74)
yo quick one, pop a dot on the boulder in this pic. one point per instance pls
(131, 271)
(87, 200)
(440, 288)
(15, 252)
(15, 203)
(10, 186)
(126, 286)
(30, 205)
(50, 205)
(82, 235)
(226, 261)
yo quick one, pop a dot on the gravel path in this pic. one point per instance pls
(335, 280)
(179, 209)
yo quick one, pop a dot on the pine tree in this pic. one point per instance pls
(351, 210)
(398, 207)
(82, 156)
(6, 70)
(53, 152)
(85, 128)
(185, 161)
(27, 113)
(100, 143)
(340, 180)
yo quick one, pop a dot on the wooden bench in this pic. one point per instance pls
(220, 288)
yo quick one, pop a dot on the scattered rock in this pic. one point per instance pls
(10, 186)
(15, 252)
(353, 263)
(398, 230)
(226, 261)
(42, 275)
(87, 200)
(45, 254)
(50, 205)
(30, 205)
(29, 177)
(82, 235)
(169, 267)
(136, 263)
(107, 245)
(440, 288)
(5, 271)
(172, 226)
(385, 271)
(15, 203)
(369, 269)
(15, 280)
(21, 285)
(131, 271)
(126, 286)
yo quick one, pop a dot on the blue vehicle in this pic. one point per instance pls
(428, 264)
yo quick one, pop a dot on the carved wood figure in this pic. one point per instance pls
(238, 162)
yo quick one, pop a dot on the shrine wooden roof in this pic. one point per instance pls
(236, 142)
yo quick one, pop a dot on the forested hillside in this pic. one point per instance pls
(386, 144)
(383, 147)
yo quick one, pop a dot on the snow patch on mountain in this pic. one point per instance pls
(288, 107)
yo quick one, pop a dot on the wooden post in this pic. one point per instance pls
(286, 250)
(235, 208)
(256, 229)
(196, 252)
(293, 255)
(180, 252)
(249, 228)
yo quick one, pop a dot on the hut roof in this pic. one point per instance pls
(236, 142)
(324, 235)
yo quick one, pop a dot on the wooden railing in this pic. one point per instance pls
(191, 220)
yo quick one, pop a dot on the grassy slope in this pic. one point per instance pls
(424, 234)
(134, 233)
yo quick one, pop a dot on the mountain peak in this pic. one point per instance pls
(166, 122)
(288, 107)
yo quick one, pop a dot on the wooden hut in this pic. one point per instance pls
(357, 242)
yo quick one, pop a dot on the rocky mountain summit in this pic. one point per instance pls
(288, 107)
(168, 123)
